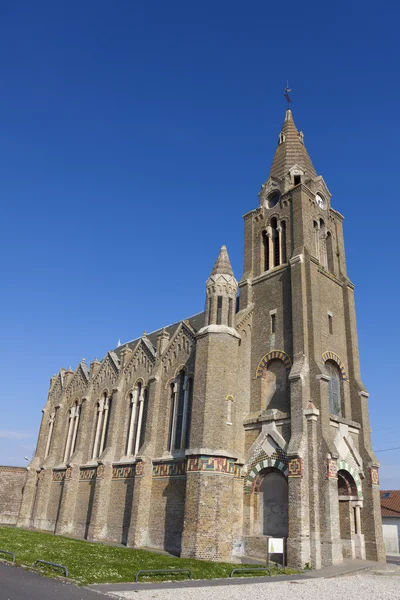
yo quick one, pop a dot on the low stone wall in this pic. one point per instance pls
(12, 481)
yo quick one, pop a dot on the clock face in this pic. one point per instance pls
(273, 199)
(320, 200)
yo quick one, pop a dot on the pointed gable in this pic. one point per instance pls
(108, 372)
(143, 355)
(79, 381)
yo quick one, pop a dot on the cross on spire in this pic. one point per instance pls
(287, 91)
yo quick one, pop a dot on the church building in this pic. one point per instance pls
(245, 421)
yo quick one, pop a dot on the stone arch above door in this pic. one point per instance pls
(344, 466)
(279, 463)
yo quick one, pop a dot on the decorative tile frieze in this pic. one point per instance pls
(260, 461)
(127, 471)
(374, 476)
(211, 464)
(176, 468)
(295, 467)
(332, 469)
(58, 476)
(87, 473)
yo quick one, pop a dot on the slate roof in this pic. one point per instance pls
(390, 503)
(196, 321)
(291, 152)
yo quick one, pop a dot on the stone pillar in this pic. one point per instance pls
(208, 527)
(65, 521)
(28, 499)
(98, 528)
(312, 414)
(298, 543)
(331, 541)
(372, 518)
(141, 501)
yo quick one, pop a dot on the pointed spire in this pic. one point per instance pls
(222, 264)
(291, 151)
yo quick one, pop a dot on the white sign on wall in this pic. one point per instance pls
(275, 545)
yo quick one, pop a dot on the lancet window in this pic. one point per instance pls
(51, 422)
(181, 392)
(73, 424)
(102, 425)
(323, 245)
(334, 389)
(137, 419)
(274, 245)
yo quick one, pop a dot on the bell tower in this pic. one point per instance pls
(302, 301)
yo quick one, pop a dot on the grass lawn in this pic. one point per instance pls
(100, 563)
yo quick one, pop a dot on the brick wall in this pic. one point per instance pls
(12, 481)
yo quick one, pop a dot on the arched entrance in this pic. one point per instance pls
(273, 503)
(350, 504)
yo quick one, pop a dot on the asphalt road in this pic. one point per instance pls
(18, 584)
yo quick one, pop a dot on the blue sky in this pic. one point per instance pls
(135, 135)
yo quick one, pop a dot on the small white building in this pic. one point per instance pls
(390, 506)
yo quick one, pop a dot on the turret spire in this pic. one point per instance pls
(222, 264)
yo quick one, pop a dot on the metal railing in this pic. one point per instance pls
(46, 562)
(163, 571)
(250, 569)
(10, 553)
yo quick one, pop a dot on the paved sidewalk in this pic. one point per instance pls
(347, 567)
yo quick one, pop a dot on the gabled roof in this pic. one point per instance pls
(291, 151)
(196, 322)
(390, 503)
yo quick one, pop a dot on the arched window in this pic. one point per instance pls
(180, 409)
(102, 425)
(275, 241)
(283, 242)
(322, 244)
(72, 431)
(275, 387)
(334, 388)
(316, 240)
(329, 252)
(137, 419)
(51, 421)
(265, 245)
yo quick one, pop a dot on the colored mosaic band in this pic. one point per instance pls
(332, 469)
(263, 464)
(295, 467)
(87, 474)
(374, 476)
(211, 464)
(270, 356)
(332, 356)
(344, 466)
(60, 475)
(121, 472)
(175, 468)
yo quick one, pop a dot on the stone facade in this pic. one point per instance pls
(244, 421)
(12, 481)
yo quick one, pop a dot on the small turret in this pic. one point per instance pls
(221, 290)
